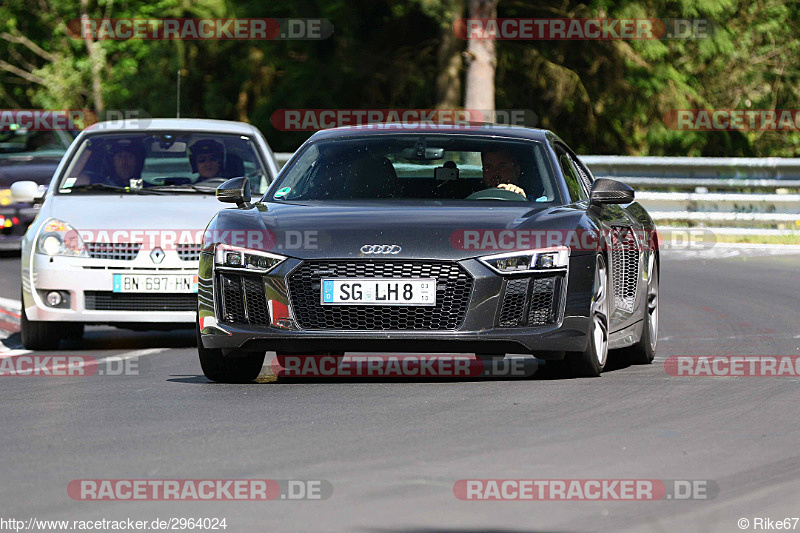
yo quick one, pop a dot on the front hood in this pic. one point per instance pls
(426, 230)
(96, 213)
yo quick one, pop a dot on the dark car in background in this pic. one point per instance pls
(487, 240)
(29, 156)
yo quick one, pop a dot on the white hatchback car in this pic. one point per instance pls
(117, 240)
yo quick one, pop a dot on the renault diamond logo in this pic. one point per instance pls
(380, 249)
(157, 255)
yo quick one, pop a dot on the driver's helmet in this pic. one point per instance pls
(132, 146)
(207, 147)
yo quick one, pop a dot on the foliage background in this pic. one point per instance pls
(602, 97)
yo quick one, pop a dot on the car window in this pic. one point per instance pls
(571, 176)
(404, 166)
(164, 159)
(21, 141)
(583, 172)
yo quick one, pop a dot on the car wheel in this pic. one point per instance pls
(644, 351)
(592, 361)
(231, 369)
(38, 335)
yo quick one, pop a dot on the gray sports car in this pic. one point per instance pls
(472, 238)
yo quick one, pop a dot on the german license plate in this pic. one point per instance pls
(378, 291)
(155, 283)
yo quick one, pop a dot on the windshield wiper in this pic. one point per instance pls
(107, 187)
(184, 187)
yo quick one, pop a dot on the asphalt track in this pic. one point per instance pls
(393, 450)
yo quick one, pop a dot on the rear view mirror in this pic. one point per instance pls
(235, 191)
(608, 191)
(422, 154)
(26, 192)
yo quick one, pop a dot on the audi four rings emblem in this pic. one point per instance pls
(380, 249)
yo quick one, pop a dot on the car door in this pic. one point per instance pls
(625, 232)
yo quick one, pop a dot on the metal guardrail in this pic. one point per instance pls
(767, 204)
(772, 209)
(705, 183)
(772, 168)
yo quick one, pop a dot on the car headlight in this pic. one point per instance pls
(528, 261)
(59, 238)
(245, 258)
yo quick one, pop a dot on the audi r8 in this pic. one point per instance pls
(477, 239)
(117, 239)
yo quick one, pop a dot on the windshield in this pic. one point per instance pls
(429, 167)
(180, 161)
(24, 141)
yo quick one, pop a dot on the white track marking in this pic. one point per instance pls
(94, 361)
(10, 305)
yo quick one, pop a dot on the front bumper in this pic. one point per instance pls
(479, 332)
(83, 278)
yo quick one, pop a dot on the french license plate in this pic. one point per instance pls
(378, 291)
(155, 283)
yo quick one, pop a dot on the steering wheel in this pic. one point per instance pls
(496, 194)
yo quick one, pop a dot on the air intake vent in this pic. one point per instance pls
(243, 300)
(624, 268)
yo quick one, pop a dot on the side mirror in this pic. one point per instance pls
(235, 191)
(26, 192)
(607, 191)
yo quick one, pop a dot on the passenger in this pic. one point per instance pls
(206, 157)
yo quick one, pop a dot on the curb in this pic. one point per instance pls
(9, 316)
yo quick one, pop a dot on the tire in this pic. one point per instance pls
(37, 335)
(644, 351)
(237, 369)
(592, 361)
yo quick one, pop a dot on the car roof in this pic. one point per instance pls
(179, 124)
(472, 129)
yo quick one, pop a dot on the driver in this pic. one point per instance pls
(501, 169)
(127, 160)
(206, 156)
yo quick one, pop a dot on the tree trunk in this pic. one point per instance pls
(482, 59)
(96, 60)
(449, 58)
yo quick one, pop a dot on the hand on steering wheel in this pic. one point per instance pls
(512, 188)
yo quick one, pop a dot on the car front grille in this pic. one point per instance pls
(243, 300)
(116, 301)
(118, 251)
(188, 252)
(530, 301)
(453, 289)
